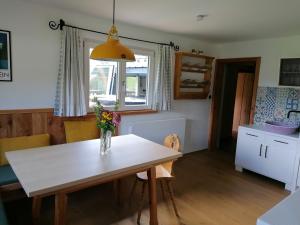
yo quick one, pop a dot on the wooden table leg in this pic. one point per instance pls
(152, 195)
(61, 201)
(36, 209)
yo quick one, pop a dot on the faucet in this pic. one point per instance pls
(292, 111)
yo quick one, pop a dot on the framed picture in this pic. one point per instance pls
(5, 56)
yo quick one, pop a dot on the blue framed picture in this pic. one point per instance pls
(5, 56)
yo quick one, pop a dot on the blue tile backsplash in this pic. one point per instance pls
(273, 103)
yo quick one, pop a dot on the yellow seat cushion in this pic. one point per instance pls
(81, 130)
(20, 143)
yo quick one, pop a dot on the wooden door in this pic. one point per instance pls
(217, 95)
(243, 101)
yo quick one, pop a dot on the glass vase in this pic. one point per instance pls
(105, 141)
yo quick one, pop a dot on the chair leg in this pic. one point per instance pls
(162, 190)
(170, 190)
(141, 203)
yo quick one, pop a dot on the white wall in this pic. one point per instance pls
(271, 50)
(35, 58)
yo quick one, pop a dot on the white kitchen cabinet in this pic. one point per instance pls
(249, 151)
(280, 156)
(266, 153)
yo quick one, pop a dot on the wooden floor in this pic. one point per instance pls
(208, 192)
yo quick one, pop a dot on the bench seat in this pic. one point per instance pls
(7, 175)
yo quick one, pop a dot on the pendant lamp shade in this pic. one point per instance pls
(112, 49)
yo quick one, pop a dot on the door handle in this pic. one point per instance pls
(253, 135)
(266, 151)
(282, 142)
(260, 149)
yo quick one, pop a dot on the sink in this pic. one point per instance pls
(281, 127)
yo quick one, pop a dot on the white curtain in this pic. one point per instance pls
(161, 99)
(70, 98)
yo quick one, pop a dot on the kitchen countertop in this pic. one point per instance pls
(286, 212)
(294, 136)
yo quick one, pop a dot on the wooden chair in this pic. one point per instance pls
(163, 175)
(81, 130)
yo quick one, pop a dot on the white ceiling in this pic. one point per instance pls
(228, 20)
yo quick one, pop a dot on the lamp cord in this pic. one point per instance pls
(114, 9)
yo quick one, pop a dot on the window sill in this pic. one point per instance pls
(136, 112)
(133, 112)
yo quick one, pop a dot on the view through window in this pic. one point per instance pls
(103, 82)
(137, 81)
(128, 82)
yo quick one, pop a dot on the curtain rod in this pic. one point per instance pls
(55, 26)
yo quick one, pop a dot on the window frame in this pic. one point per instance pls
(121, 78)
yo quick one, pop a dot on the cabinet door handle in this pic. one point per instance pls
(282, 142)
(266, 152)
(260, 149)
(253, 135)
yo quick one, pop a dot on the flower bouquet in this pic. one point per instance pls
(107, 122)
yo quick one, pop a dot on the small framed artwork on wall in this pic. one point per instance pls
(5, 56)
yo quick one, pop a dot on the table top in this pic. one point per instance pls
(286, 212)
(52, 168)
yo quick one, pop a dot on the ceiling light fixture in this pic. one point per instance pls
(201, 17)
(112, 49)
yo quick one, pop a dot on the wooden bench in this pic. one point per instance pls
(3, 219)
(8, 179)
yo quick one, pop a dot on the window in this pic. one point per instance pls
(129, 82)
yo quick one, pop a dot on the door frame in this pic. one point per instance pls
(216, 94)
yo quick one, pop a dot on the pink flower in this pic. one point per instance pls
(116, 119)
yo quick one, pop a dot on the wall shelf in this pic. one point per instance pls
(192, 75)
(193, 71)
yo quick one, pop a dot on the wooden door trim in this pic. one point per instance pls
(219, 69)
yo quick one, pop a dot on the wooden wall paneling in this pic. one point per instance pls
(5, 125)
(39, 123)
(56, 129)
(21, 124)
(25, 122)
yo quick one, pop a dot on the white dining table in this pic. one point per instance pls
(62, 169)
(286, 212)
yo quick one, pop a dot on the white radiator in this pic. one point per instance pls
(155, 128)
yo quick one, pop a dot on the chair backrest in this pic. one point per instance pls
(81, 130)
(19, 143)
(171, 141)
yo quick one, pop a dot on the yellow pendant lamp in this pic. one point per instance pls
(112, 49)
